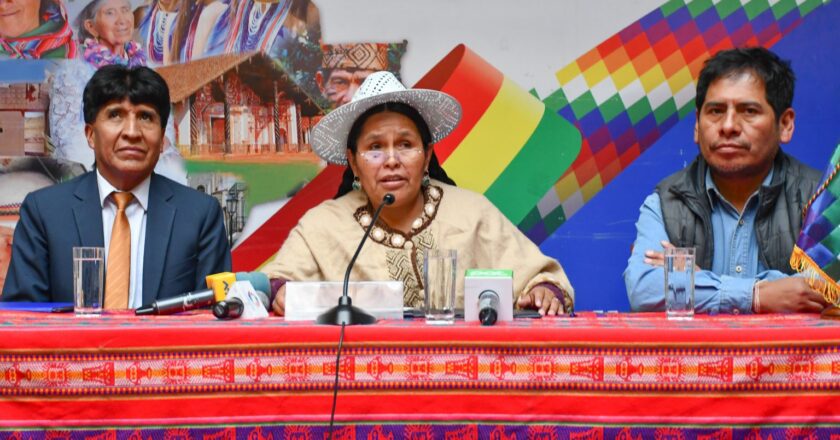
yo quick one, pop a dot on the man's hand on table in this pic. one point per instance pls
(789, 295)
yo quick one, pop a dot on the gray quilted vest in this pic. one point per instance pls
(687, 213)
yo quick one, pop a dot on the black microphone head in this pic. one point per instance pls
(389, 199)
(221, 309)
(488, 316)
(228, 309)
(488, 307)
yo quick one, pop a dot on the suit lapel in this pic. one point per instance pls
(159, 220)
(88, 212)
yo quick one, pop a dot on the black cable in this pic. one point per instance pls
(386, 200)
(335, 386)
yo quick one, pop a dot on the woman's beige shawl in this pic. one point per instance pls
(321, 245)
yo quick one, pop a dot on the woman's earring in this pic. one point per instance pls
(426, 180)
(357, 184)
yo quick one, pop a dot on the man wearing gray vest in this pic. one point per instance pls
(739, 203)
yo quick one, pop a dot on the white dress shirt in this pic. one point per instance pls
(136, 213)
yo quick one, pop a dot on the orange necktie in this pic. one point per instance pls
(119, 256)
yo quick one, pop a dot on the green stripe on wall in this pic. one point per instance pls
(547, 154)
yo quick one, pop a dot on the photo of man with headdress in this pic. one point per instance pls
(34, 29)
(345, 67)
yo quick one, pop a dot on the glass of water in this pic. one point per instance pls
(679, 283)
(88, 280)
(439, 268)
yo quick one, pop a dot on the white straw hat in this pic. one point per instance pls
(440, 111)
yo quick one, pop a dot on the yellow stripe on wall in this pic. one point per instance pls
(495, 139)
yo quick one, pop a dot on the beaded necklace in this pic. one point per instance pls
(387, 236)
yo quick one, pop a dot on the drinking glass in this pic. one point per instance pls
(439, 276)
(88, 277)
(679, 283)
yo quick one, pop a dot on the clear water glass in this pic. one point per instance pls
(439, 269)
(679, 283)
(88, 280)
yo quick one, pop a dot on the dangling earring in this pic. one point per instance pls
(357, 184)
(426, 180)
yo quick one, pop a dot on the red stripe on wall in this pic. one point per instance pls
(472, 81)
(262, 244)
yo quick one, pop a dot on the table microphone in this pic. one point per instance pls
(241, 304)
(180, 303)
(488, 307)
(229, 309)
(345, 312)
(205, 297)
(233, 306)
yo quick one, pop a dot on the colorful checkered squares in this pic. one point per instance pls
(627, 91)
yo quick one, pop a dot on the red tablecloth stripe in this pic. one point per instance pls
(388, 407)
(26, 333)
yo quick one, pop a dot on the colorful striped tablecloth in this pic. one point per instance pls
(593, 376)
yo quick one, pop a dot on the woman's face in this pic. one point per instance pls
(113, 24)
(18, 17)
(390, 159)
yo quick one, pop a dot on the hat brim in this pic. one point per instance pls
(329, 137)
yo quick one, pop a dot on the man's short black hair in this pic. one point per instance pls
(141, 85)
(776, 74)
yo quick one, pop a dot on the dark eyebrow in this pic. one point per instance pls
(371, 136)
(713, 103)
(407, 132)
(741, 103)
(375, 135)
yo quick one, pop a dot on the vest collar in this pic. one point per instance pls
(692, 184)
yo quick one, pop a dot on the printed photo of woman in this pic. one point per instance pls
(200, 31)
(155, 30)
(34, 29)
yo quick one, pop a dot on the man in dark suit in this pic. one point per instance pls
(161, 238)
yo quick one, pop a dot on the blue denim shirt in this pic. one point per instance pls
(727, 286)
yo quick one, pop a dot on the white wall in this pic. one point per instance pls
(528, 40)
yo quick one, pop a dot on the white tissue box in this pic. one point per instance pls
(305, 300)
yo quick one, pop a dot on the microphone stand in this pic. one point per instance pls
(345, 313)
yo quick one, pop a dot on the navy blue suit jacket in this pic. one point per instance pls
(185, 240)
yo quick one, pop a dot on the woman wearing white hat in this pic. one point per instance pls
(386, 134)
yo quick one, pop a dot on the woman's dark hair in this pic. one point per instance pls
(87, 13)
(777, 75)
(435, 170)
